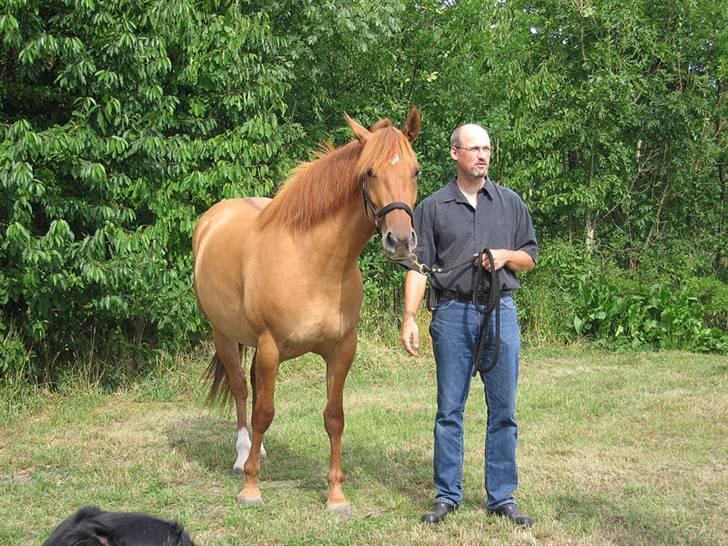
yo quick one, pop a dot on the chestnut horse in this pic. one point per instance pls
(282, 276)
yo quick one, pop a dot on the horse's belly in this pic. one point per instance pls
(219, 245)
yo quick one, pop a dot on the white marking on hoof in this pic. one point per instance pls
(342, 510)
(243, 449)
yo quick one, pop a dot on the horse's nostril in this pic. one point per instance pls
(413, 240)
(391, 241)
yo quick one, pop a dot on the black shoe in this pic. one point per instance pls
(511, 512)
(438, 512)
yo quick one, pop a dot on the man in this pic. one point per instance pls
(453, 224)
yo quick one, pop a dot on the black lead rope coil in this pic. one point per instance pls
(493, 304)
(480, 286)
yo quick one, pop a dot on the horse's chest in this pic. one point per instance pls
(327, 325)
(315, 325)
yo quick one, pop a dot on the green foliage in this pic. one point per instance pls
(573, 295)
(546, 313)
(121, 123)
(655, 316)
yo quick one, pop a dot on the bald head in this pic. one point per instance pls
(467, 132)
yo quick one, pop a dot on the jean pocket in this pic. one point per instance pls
(508, 302)
(444, 304)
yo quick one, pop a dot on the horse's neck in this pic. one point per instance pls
(338, 241)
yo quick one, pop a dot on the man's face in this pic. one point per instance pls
(473, 152)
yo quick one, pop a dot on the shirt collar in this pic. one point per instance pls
(453, 193)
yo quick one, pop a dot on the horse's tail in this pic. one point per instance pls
(218, 379)
(219, 387)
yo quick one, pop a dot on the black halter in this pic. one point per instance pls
(381, 213)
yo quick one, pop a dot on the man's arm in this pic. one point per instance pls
(515, 260)
(414, 290)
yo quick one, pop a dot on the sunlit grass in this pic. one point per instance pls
(614, 449)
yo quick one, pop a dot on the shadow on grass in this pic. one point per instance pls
(626, 523)
(210, 442)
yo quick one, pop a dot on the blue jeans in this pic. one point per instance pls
(454, 332)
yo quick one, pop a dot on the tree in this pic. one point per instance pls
(122, 122)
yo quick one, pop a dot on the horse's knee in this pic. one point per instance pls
(262, 418)
(239, 388)
(334, 422)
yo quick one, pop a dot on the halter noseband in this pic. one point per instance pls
(381, 213)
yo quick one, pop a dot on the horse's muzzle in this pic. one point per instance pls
(399, 246)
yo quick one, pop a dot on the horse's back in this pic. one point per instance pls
(229, 215)
(219, 244)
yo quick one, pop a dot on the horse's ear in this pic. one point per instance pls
(362, 134)
(412, 126)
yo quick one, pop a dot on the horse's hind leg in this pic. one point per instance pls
(338, 364)
(228, 351)
(266, 363)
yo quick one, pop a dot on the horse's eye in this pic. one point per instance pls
(370, 173)
(417, 173)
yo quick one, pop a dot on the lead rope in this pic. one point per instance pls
(486, 309)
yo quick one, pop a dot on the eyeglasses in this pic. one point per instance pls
(474, 149)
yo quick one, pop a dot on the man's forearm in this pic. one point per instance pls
(414, 290)
(520, 261)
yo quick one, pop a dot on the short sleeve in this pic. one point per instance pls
(525, 238)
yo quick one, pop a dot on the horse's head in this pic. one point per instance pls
(388, 170)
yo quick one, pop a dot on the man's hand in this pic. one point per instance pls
(500, 259)
(410, 335)
(515, 260)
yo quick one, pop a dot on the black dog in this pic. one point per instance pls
(93, 527)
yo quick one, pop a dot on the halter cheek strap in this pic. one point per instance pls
(381, 213)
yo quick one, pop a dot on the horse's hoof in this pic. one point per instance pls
(343, 510)
(237, 470)
(250, 501)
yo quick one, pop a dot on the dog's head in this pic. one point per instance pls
(93, 527)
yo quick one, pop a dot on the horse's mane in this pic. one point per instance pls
(321, 187)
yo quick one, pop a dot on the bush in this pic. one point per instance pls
(119, 126)
(572, 294)
(657, 316)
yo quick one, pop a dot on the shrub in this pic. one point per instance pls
(120, 124)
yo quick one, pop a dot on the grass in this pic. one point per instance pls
(614, 449)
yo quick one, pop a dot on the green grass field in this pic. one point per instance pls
(614, 449)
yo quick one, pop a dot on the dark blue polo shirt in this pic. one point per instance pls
(449, 231)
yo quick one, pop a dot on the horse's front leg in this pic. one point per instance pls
(266, 363)
(338, 363)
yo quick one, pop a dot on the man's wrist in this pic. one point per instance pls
(408, 315)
